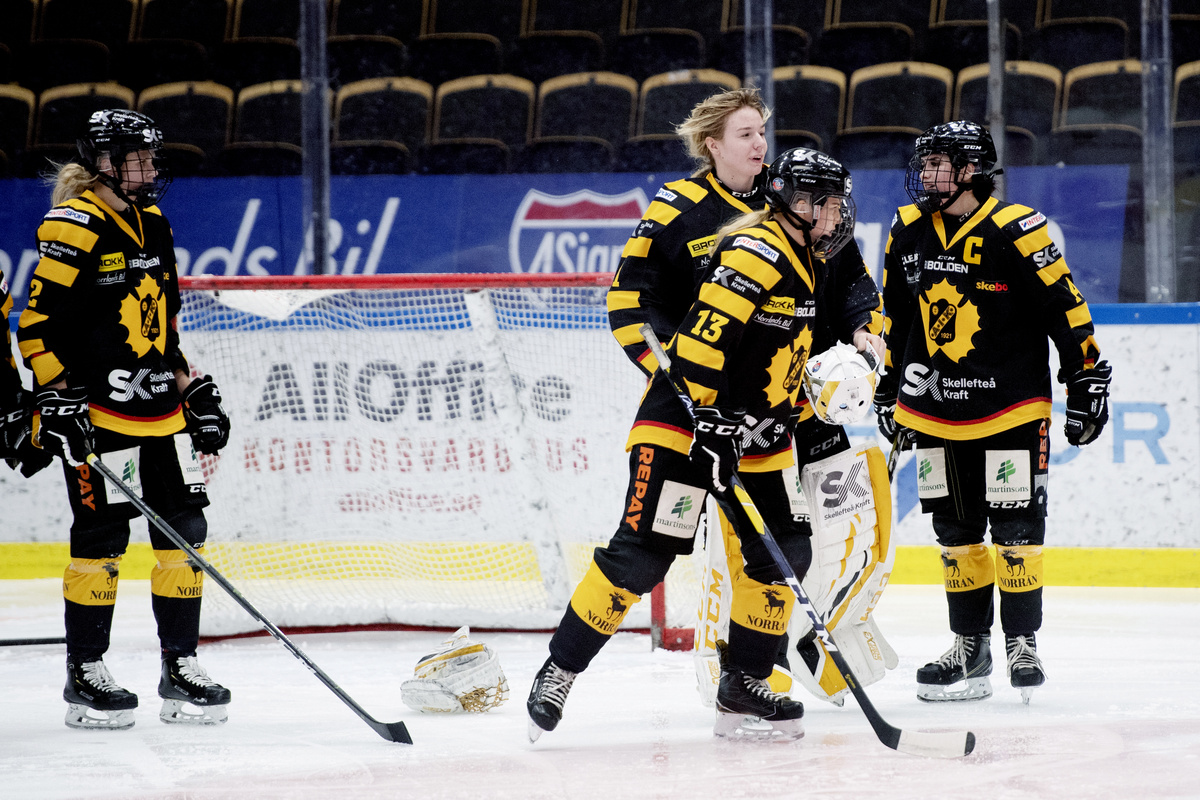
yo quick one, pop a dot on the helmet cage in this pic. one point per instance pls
(115, 133)
(962, 142)
(803, 174)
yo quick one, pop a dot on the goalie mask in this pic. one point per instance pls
(936, 186)
(840, 383)
(114, 134)
(459, 676)
(811, 181)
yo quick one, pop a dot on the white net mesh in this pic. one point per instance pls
(426, 456)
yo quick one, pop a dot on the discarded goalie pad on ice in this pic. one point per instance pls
(460, 676)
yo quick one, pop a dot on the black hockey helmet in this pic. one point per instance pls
(963, 142)
(117, 132)
(804, 174)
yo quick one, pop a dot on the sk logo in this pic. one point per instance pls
(682, 506)
(1006, 470)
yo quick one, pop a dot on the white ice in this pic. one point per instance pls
(1118, 718)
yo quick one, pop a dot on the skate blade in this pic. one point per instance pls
(971, 689)
(736, 727)
(534, 731)
(1027, 693)
(180, 712)
(85, 718)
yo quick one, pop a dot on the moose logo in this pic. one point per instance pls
(617, 608)
(951, 566)
(775, 606)
(1015, 563)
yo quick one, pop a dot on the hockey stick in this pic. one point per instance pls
(21, 642)
(740, 509)
(392, 731)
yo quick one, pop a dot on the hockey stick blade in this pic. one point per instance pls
(391, 731)
(743, 515)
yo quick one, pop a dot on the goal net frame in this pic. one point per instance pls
(509, 388)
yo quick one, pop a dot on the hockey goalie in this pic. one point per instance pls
(846, 498)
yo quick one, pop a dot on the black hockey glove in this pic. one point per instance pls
(16, 437)
(717, 445)
(206, 420)
(1087, 403)
(66, 430)
(885, 417)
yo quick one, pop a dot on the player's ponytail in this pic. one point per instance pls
(68, 180)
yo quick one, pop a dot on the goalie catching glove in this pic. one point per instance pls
(460, 676)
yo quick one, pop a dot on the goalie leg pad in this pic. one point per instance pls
(460, 676)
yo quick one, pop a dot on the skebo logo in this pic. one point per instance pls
(582, 231)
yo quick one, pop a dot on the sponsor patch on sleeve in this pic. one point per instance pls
(1032, 222)
(69, 213)
(666, 194)
(754, 245)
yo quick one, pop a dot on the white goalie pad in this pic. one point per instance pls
(853, 555)
(460, 676)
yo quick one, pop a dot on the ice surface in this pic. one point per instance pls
(1118, 718)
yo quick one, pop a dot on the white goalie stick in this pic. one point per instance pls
(391, 731)
(740, 509)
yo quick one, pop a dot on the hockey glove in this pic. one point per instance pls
(717, 444)
(206, 420)
(1087, 403)
(66, 430)
(16, 437)
(885, 417)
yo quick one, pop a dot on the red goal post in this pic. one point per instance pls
(424, 450)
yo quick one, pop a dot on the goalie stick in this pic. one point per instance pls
(392, 731)
(741, 510)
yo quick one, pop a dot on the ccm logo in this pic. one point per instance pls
(65, 411)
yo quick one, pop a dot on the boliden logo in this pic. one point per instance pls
(583, 231)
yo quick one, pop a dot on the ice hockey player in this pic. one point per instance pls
(459, 676)
(974, 291)
(665, 260)
(100, 336)
(16, 405)
(740, 350)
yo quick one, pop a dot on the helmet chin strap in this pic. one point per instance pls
(798, 222)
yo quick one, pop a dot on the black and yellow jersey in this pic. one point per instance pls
(742, 345)
(10, 379)
(971, 307)
(101, 314)
(666, 258)
(668, 254)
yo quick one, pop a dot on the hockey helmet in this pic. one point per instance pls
(840, 383)
(810, 175)
(117, 132)
(963, 142)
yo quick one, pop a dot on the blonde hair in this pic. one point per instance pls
(708, 119)
(747, 220)
(68, 181)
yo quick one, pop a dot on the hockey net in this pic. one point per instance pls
(424, 450)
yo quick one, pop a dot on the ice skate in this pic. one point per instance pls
(747, 709)
(968, 662)
(1025, 670)
(189, 695)
(547, 697)
(94, 700)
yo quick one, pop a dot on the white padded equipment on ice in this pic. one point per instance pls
(840, 383)
(460, 676)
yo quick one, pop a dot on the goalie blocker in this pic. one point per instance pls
(853, 554)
